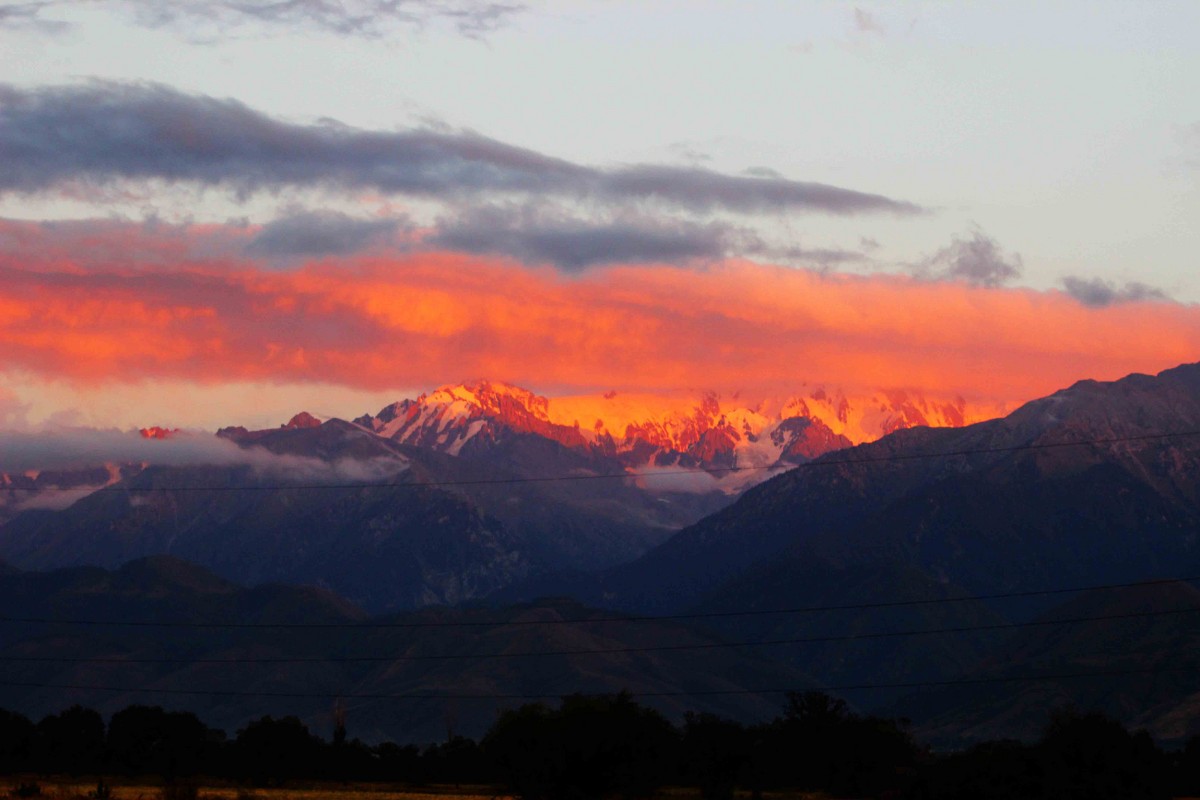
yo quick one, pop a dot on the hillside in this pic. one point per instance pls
(181, 637)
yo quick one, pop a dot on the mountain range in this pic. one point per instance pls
(928, 556)
(1096, 484)
(443, 498)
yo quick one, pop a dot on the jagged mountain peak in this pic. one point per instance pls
(303, 420)
(695, 429)
(158, 432)
(492, 396)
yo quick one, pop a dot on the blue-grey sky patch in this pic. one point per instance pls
(103, 132)
(1097, 292)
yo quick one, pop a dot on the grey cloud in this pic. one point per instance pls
(703, 190)
(372, 18)
(822, 258)
(1097, 292)
(29, 16)
(573, 244)
(321, 233)
(72, 448)
(977, 260)
(536, 236)
(20, 12)
(104, 132)
(75, 448)
(30, 245)
(866, 22)
(477, 19)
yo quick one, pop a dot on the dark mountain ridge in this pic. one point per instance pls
(218, 653)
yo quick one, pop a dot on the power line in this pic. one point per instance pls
(851, 637)
(682, 693)
(817, 463)
(381, 624)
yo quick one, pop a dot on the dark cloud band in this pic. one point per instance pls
(103, 132)
(575, 244)
(1097, 292)
(362, 18)
(321, 233)
(977, 260)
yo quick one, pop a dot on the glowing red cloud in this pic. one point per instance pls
(426, 319)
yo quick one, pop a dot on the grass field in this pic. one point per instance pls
(81, 789)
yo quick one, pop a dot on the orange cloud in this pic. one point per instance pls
(426, 319)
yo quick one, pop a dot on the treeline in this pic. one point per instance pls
(610, 746)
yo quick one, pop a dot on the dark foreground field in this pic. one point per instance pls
(67, 788)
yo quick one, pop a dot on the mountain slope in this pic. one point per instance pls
(1132, 661)
(386, 546)
(230, 675)
(1082, 486)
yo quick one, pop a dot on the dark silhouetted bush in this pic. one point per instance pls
(16, 741)
(592, 746)
(272, 750)
(71, 741)
(1090, 755)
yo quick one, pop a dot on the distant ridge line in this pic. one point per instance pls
(373, 625)
(596, 651)
(531, 696)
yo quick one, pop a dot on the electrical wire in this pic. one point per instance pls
(681, 693)
(386, 624)
(849, 637)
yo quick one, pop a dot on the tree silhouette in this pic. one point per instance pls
(71, 741)
(820, 745)
(271, 750)
(715, 754)
(592, 746)
(1091, 755)
(150, 740)
(16, 741)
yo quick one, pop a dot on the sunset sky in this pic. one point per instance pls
(223, 212)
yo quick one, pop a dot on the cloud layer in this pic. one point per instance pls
(536, 236)
(99, 133)
(421, 319)
(321, 233)
(370, 18)
(1097, 292)
(74, 448)
(977, 260)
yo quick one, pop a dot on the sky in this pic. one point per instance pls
(223, 212)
